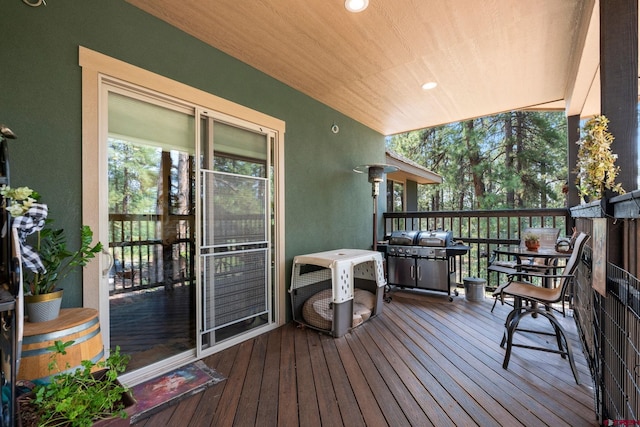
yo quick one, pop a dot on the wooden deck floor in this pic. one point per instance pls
(424, 361)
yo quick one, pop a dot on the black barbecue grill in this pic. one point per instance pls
(423, 259)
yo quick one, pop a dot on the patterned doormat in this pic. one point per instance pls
(170, 388)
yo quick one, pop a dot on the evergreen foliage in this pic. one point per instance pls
(510, 160)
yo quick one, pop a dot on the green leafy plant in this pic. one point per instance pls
(50, 244)
(57, 259)
(531, 238)
(79, 398)
(595, 169)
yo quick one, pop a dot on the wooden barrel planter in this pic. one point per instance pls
(80, 325)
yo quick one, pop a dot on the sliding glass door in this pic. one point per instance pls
(190, 225)
(150, 157)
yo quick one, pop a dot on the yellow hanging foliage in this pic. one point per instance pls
(595, 168)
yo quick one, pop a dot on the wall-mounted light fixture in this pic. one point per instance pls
(356, 6)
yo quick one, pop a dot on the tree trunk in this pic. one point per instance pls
(508, 158)
(519, 149)
(474, 162)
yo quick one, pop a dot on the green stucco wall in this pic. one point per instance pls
(327, 205)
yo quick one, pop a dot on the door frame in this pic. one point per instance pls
(98, 68)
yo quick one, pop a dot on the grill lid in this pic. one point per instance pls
(402, 237)
(438, 238)
(433, 238)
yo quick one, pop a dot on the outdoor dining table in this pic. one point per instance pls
(525, 256)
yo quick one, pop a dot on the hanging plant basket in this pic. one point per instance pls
(595, 169)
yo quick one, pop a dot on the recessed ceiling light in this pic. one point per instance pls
(429, 85)
(356, 5)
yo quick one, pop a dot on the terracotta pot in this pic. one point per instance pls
(532, 246)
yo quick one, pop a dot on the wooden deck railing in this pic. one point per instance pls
(150, 252)
(482, 230)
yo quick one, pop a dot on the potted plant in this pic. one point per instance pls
(531, 241)
(79, 398)
(46, 258)
(595, 168)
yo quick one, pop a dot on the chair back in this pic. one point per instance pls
(548, 236)
(571, 266)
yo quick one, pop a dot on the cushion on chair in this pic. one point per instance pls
(502, 269)
(530, 291)
(508, 264)
(499, 289)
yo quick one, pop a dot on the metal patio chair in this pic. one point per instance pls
(514, 267)
(539, 299)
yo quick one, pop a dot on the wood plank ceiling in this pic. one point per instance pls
(487, 56)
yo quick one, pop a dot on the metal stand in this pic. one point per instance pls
(376, 176)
